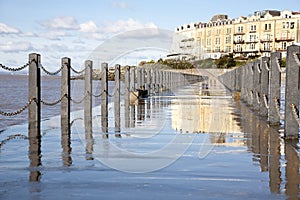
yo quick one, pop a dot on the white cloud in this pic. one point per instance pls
(54, 35)
(11, 46)
(66, 23)
(89, 27)
(91, 30)
(6, 29)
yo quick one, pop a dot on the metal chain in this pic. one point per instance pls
(79, 102)
(18, 111)
(267, 65)
(14, 69)
(78, 72)
(266, 101)
(12, 137)
(96, 96)
(296, 58)
(50, 73)
(277, 105)
(55, 102)
(257, 98)
(295, 113)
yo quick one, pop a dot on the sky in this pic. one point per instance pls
(79, 28)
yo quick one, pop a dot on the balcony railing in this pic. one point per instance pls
(266, 40)
(239, 33)
(253, 41)
(265, 50)
(239, 42)
(281, 39)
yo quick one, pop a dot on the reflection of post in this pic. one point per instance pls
(117, 99)
(66, 146)
(127, 96)
(88, 97)
(132, 116)
(292, 170)
(274, 167)
(141, 110)
(104, 98)
(263, 146)
(34, 156)
(89, 143)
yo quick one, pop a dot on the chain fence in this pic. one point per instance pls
(18, 111)
(50, 73)
(13, 137)
(14, 69)
(55, 102)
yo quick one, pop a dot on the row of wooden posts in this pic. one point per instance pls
(261, 86)
(152, 80)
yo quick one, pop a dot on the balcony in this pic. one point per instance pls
(266, 40)
(284, 39)
(254, 41)
(265, 50)
(238, 51)
(239, 42)
(239, 33)
(250, 51)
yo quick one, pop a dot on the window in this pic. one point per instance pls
(217, 49)
(252, 46)
(252, 38)
(240, 29)
(266, 27)
(270, 26)
(238, 48)
(292, 25)
(283, 24)
(228, 30)
(228, 49)
(266, 46)
(283, 45)
(253, 28)
(218, 31)
(228, 39)
(217, 41)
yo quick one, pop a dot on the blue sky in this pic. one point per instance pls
(73, 28)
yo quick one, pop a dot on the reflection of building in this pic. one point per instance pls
(256, 35)
(203, 115)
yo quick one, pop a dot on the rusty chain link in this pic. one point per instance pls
(78, 72)
(96, 96)
(14, 69)
(18, 111)
(48, 72)
(79, 102)
(55, 102)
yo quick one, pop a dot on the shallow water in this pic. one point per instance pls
(180, 145)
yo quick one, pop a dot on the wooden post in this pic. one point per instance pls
(104, 98)
(66, 92)
(88, 95)
(264, 87)
(34, 115)
(127, 96)
(34, 91)
(275, 88)
(291, 126)
(117, 99)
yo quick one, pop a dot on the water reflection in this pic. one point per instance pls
(269, 150)
(66, 146)
(34, 157)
